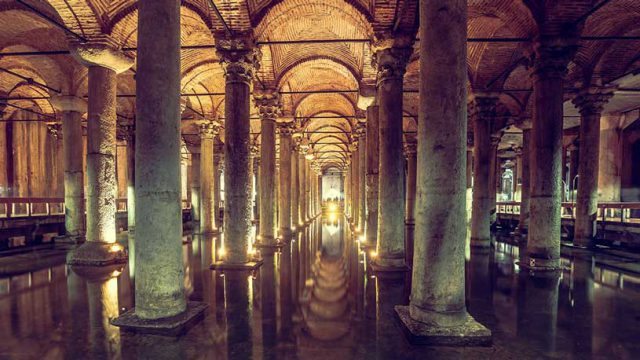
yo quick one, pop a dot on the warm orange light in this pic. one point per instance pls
(222, 252)
(115, 248)
(373, 254)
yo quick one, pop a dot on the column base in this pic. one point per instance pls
(389, 265)
(480, 243)
(69, 239)
(171, 326)
(226, 266)
(469, 333)
(93, 253)
(98, 273)
(539, 265)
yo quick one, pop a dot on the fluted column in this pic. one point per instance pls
(590, 103)
(437, 313)
(104, 65)
(483, 109)
(285, 130)
(549, 68)
(208, 131)
(71, 109)
(239, 59)
(410, 149)
(391, 65)
(372, 175)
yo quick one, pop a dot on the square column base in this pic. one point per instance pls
(471, 333)
(225, 266)
(171, 326)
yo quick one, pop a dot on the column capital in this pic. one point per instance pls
(239, 57)
(269, 104)
(55, 129)
(101, 52)
(125, 131)
(591, 100)
(410, 148)
(495, 139)
(209, 129)
(552, 54)
(255, 149)
(482, 106)
(68, 103)
(391, 62)
(523, 123)
(285, 128)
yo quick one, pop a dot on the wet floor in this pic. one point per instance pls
(316, 300)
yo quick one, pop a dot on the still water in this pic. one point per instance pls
(315, 299)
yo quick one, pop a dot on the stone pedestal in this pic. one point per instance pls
(437, 313)
(391, 65)
(100, 247)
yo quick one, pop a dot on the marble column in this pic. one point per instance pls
(371, 155)
(303, 189)
(483, 109)
(195, 188)
(590, 103)
(208, 132)
(307, 190)
(610, 158)
(391, 65)
(494, 176)
(295, 189)
(362, 172)
(549, 68)
(104, 65)
(218, 164)
(284, 221)
(355, 179)
(269, 108)
(523, 223)
(437, 312)
(410, 149)
(71, 109)
(256, 175)
(239, 58)
(159, 286)
(574, 163)
(129, 131)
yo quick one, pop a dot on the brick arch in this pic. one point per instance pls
(85, 17)
(121, 8)
(312, 104)
(339, 66)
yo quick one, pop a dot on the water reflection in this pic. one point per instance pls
(315, 298)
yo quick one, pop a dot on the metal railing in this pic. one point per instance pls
(16, 207)
(607, 211)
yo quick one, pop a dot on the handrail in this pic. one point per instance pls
(607, 211)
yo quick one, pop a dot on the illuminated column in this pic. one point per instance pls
(410, 149)
(295, 188)
(308, 190)
(104, 65)
(218, 164)
(437, 313)
(483, 108)
(590, 103)
(372, 175)
(303, 184)
(208, 131)
(391, 63)
(523, 223)
(284, 198)
(494, 175)
(362, 172)
(549, 68)
(239, 58)
(255, 153)
(129, 132)
(195, 188)
(72, 108)
(355, 172)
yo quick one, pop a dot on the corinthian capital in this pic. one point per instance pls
(240, 58)
(101, 51)
(286, 128)
(209, 129)
(591, 100)
(551, 55)
(391, 63)
(268, 104)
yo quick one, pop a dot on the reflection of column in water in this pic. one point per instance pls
(285, 291)
(582, 279)
(188, 269)
(268, 299)
(238, 311)
(77, 339)
(103, 305)
(538, 308)
(295, 268)
(480, 285)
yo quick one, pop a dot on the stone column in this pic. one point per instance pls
(208, 131)
(255, 151)
(218, 164)
(195, 188)
(610, 158)
(295, 189)
(371, 155)
(239, 59)
(437, 313)
(362, 173)
(391, 65)
(549, 68)
(285, 129)
(303, 185)
(410, 148)
(129, 132)
(523, 223)
(494, 175)
(307, 189)
(590, 103)
(574, 163)
(483, 110)
(72, 109)
(355, 179)
(100, 248)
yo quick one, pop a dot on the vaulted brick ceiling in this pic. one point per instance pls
(312, 66)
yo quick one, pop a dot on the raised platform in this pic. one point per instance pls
(224, 266)
(171, 326)
(471, 333)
